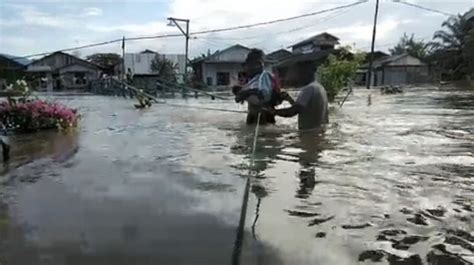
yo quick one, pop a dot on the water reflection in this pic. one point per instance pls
(26, 148)
(389, 182)
(311, 144)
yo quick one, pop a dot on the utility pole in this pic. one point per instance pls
(174, 22)
(371, 59)
(123, 59)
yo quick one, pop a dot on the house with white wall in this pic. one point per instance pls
(223, 68)
(140, 63)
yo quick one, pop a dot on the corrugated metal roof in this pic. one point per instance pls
(22, 61)
(324, 36)
(386, 60)
(305, 57)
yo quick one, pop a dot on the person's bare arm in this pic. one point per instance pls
(288, 112)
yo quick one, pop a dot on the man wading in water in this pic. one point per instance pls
(259, 91)
(311, 104)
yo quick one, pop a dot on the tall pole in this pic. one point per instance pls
(186, 54)
(371, 60)
(174, 22)
(123, 59)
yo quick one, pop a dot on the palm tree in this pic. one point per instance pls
(449, 46)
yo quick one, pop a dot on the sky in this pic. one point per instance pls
(29, 27)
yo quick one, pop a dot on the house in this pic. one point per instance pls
(11, 69)
(306, 57)
(60, 70)
(377, 55)
(140, 63)
(469, 16)
(320, 42)
(279, 55)
(223, 67)
(396, 70)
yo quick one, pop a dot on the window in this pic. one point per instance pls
(223, 78)
(79, 78)
(209, 81)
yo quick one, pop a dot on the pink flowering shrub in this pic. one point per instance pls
(34, 115)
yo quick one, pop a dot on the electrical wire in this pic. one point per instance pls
(278, 20)
(424, 8)
(197, 32)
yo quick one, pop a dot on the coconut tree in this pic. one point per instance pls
(449, 46)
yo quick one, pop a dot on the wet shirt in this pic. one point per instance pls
(313, 102)
(263, 83)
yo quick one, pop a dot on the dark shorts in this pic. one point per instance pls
(266, 118)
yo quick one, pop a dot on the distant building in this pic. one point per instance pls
(224, 67)
(11, 69)
(469, 15)
(60, 70)
(306, 57)
(140, 63)
(279, 55)
(395, 70)
(377, 55)
(320, 42)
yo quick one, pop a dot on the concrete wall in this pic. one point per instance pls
(211, 70)
(139, 63)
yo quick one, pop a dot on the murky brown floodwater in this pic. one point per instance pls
(392, 183)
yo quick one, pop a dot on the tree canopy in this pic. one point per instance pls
(339, 70)
(408, 44)
(105, 60)
(453, 47)
(165, 68)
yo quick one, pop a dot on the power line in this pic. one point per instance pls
(322, 19)
(100, 44)
(278, 20)
(424, 8)
(198, 32)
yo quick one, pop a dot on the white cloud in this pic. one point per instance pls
(353, 25)
(149, 28)
(92, 11)
(29, 16)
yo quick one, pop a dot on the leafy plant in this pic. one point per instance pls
(410, 45)
(25, 115)
(338, 71)
(165, 68)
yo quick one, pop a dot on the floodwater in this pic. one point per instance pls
(389, 183)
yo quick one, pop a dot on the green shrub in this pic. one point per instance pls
(338, 71)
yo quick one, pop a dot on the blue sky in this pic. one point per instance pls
(28, 27)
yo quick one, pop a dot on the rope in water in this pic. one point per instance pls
(240, 230)
(179, 105)
(204, 108)
(168, 83)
